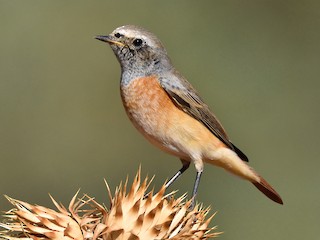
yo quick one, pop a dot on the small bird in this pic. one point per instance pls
(169, 112)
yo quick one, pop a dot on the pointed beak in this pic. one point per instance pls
(109, 40)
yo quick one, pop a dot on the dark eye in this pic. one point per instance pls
(118, 35)
(137, 42)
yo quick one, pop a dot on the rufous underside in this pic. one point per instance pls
(155, 115)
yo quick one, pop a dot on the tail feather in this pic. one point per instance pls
(230, 161)
(267, 190)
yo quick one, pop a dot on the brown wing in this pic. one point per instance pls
(187, 99)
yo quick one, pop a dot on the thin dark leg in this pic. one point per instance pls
(195, 190)
(185, 166)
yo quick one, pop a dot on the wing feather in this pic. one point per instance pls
(188, 100)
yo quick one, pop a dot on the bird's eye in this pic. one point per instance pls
(137, 42)
(118, 35)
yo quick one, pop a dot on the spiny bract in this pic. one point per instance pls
(136, 215)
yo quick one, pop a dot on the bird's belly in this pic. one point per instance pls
(165, 125)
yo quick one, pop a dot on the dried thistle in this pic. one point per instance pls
(135, 215)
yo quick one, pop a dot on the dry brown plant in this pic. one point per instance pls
(132, 215)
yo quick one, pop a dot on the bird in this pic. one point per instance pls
(167, 110)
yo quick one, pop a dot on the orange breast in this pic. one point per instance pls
(148, 106)
(154, 114)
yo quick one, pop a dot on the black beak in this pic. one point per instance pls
(103, 38)
(109, 39)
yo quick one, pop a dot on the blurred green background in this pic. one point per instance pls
(256, 63)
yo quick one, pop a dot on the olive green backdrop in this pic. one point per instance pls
(256, 64)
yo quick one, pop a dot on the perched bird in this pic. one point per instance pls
(169, 112)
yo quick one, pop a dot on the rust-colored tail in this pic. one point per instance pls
(267, 190)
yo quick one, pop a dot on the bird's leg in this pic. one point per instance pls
(195, 189)
(185, 166)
